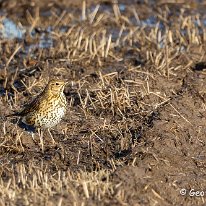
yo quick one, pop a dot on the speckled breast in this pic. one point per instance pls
(52, 117)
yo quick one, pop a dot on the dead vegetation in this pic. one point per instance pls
(134, 133)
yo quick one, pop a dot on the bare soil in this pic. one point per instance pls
(135, 129)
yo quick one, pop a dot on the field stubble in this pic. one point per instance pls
(134, 133)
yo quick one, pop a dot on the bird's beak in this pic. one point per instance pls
(66, 82)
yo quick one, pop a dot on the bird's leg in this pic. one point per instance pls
(40, 133)
(32, 135)
(53, 141)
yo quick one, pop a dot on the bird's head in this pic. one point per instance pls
(56, 86)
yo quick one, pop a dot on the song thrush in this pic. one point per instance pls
(48, 108)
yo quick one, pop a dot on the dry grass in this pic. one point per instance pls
(136, 108)
(32, 184)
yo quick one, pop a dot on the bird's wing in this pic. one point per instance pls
(34, 105)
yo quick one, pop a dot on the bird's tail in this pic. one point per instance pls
(10, 115)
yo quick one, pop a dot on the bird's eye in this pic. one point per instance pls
(57, 84)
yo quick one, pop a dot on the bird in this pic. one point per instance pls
(47, 109)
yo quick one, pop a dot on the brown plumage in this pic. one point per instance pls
(48, 108)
